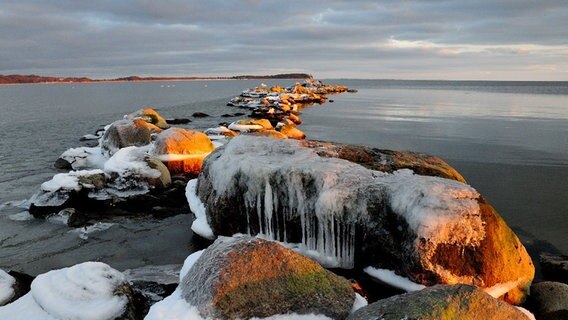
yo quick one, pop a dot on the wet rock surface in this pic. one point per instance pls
(440, 302)
(549, 300)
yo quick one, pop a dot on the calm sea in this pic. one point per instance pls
(508, 139)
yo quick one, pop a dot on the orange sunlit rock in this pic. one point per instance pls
(182, 150)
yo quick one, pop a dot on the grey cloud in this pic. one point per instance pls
(108, 38)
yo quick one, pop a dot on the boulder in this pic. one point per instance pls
(291, 131)
(440, 302)
(549, 300)
(126, 133)
(246, 125)
(244, 277)
(429, 229)
(199, 115)
(90, 290)
(554, 267)
(149, 115)
(294, 118)
(386, 160)
(182, 150)
(268, 134)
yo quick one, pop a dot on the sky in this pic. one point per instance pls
(422, 39)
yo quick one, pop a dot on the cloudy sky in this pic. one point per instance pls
(422, 39)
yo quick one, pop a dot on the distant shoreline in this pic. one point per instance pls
(35, 79)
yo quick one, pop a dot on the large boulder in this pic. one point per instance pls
(554, 267)
(90, 290)
(429, 229)
(182, 150)
(126, 133)
(151, 116)
(549, 300)
(440, 302)
(244, 277)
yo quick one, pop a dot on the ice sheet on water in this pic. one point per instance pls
(21, 216)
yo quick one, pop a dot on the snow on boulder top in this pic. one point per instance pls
(84, 291)
(6, 287)
(129, 161)
(68, 181)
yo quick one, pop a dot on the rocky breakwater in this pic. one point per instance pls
(430, 229)
(140, 166)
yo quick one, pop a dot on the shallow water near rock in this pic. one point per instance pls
(508, 140)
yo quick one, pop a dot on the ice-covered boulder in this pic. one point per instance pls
(149, 115)
(7, 291)
(90, 290)
(244, 277)
(126, 133)
(440, 302)
(429, 229)
(182, 150)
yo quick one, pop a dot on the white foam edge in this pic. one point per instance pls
(391, 278)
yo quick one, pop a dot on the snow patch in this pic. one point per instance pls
(391, 278)
(500, 289)
(85, 231)
(129, 162)
(200, 224)
(84, 291)
(84, 158)
(526, 312)
(6, 287)
(359, 302)
(245, 127)
(68, 181)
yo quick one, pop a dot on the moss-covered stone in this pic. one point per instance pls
(440, 302)
(248, 277)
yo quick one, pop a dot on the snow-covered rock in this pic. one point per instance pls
(81, 158)
(428, 229)
(7, 283)
(90, 290)
(440, 302)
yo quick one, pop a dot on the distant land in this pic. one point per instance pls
(32, 78)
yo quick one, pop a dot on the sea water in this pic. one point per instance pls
(508, 139)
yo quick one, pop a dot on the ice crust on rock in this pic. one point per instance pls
(84, 291)
(282, 180)
(200, 224)
(6, 287)
(129, 162)
(393, 279)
